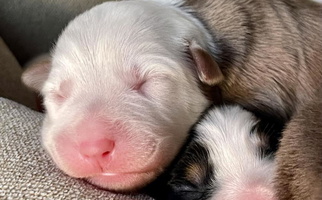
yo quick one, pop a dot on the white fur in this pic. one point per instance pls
(234, 152)
(101, 56)
(169, 2)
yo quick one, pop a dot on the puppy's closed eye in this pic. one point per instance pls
(191, 179)
(61, 94)
(140, 87)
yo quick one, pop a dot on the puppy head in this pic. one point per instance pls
(224, 160)
(121, 91)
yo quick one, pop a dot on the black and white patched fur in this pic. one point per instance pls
(228, 158)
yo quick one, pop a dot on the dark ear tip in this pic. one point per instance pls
(214, 80)
(207, 68)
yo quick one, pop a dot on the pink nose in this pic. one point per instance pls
(97, 149)
(91, 150)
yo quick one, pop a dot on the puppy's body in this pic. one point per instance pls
(128, 79)
(225, 160)
(300, 156)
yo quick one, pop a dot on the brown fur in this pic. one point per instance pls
(300, 156)
(271, 59)
(271, 55)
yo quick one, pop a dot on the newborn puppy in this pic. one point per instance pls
(226, 159)
(128, 79)
(120, 95)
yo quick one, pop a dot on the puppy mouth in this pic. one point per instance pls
(111, 174)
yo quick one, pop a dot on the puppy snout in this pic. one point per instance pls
(88, 148)
(96, 148)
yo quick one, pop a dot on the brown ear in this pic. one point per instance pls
(207, 68)
(36, 72)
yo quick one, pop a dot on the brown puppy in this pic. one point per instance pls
(271, 51)
(274, 68)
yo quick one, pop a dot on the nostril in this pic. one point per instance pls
(97, 148)
(106, 153)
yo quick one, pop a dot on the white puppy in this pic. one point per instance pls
(120, 97)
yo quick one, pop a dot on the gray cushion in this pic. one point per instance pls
(10, 83)
(26, 171)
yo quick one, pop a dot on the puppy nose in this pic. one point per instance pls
(97, 149)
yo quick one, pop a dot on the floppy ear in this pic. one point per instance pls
(36, 72)
(207, 68)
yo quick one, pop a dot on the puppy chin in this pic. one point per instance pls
(122, 182)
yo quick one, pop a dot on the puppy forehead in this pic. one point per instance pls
(127, 28)
(105, 42)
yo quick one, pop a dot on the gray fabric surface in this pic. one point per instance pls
(26, 171)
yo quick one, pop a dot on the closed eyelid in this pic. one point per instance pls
(61, 92)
